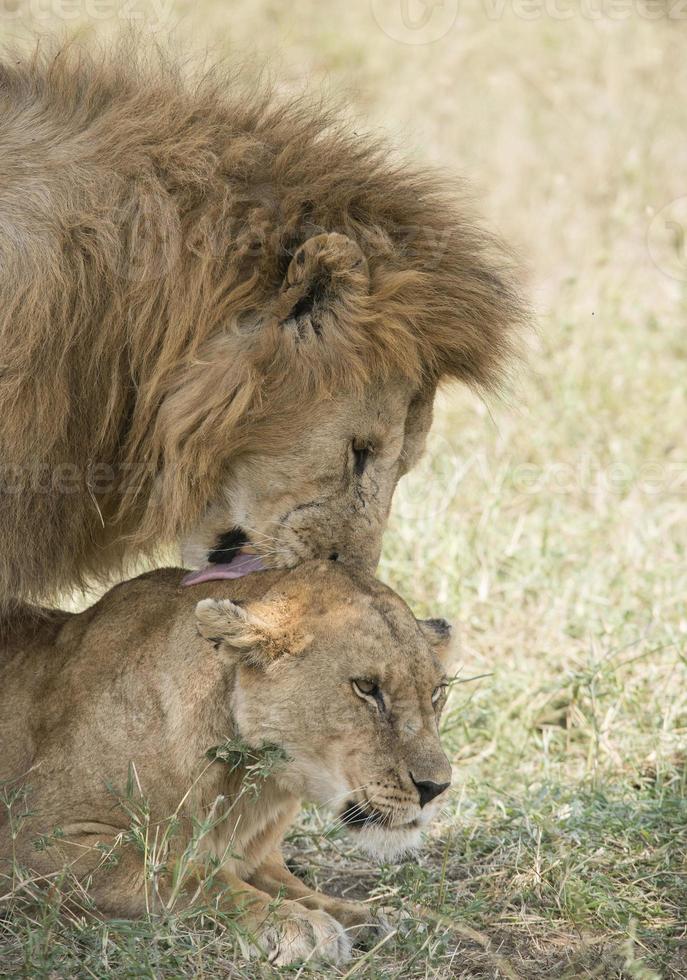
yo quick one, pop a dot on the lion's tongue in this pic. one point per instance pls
(240, 566)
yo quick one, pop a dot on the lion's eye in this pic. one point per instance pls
(439, 693)
(369, 691)
(361, 454)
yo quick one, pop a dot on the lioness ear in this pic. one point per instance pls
(437, 632)
(226, 624)
(325, 270)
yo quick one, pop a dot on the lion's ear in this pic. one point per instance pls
(438, 633)
(325, 270)
(239, 629)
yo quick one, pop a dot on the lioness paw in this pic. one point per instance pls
(303, 934)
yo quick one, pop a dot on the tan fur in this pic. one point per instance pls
(157, 236)
(152, 678)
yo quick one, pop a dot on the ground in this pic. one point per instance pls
(549, 524)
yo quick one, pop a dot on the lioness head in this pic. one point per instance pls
(334, 668)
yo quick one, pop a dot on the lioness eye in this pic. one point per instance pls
(369, 691)
(361, 455)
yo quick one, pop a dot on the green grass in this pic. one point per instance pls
(550, 527)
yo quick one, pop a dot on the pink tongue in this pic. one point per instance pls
(240, 566)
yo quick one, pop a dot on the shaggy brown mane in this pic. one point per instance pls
(147, 220)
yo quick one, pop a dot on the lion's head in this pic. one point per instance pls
(334, 668)
(320, 462)
(283, 437)
(334, 407)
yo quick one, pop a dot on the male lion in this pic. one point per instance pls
(322, 662)
(223, 318)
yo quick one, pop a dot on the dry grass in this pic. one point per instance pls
(553, 528)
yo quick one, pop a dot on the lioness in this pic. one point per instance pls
(223, 319)
(327, 665)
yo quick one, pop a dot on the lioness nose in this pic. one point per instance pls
(428, 789)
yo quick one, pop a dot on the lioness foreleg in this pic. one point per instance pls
(275, 878)
(285, 930)
(119, 885)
